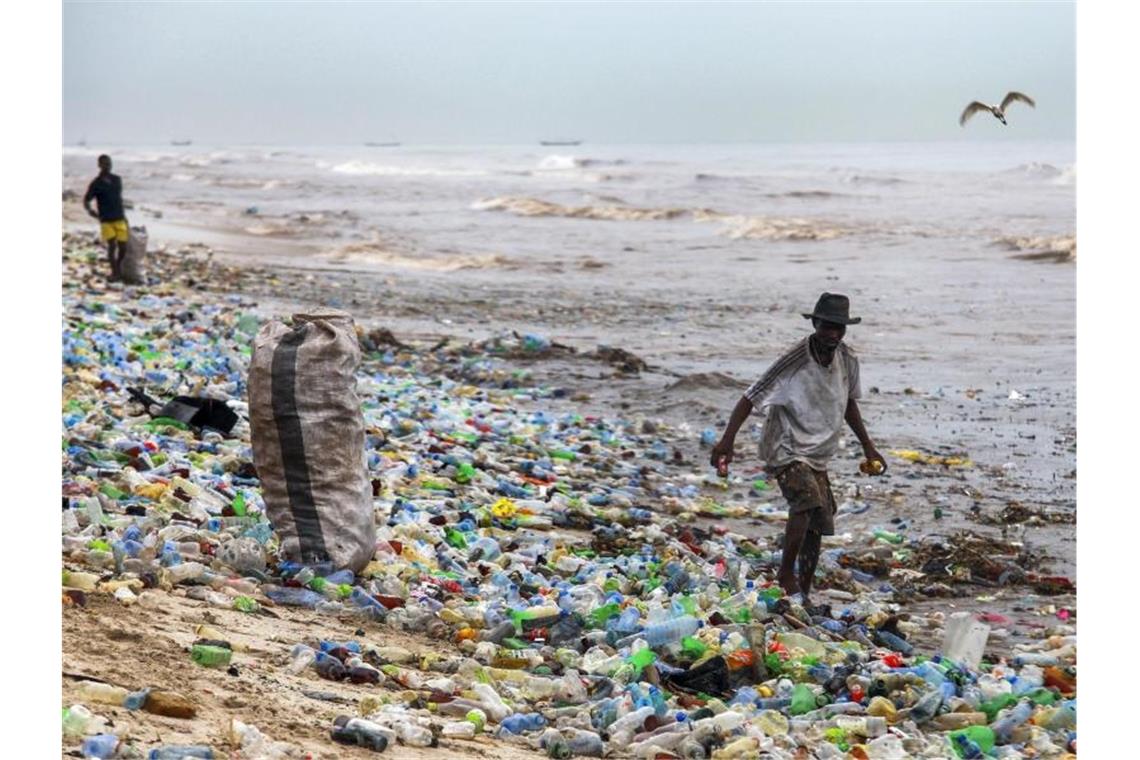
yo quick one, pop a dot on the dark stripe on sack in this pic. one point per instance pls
(293, 460)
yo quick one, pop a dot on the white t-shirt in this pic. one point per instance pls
(805, 404)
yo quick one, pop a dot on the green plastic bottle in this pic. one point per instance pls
(464, 473)
(803, 700)
(889, 537)
(641, 660)
(1043, 696)
(983, 736)
(211, 656)
(694, 648)
(455, 538)
(993, 706)
(599, 616)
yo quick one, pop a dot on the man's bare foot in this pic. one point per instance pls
(789, 584)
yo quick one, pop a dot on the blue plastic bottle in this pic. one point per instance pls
(100, 746)
(522, 722)
(294, 597)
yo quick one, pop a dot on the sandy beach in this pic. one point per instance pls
(967, 348)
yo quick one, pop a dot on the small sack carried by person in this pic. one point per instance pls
(308, 438)
(134, 260)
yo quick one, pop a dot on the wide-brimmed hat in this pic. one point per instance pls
(832, 307)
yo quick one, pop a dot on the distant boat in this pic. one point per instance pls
(180, 143)
(559, 142)
(382, 144)
(82, 142)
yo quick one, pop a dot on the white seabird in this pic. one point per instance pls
(997, 111)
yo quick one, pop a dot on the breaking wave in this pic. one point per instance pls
(385, 170)
(870, 179)
(558, 162)
(774, 228)
(1051, 247)
(737, 226)
(372, 253)
(521, 206)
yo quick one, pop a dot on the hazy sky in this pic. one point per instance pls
(324, 73)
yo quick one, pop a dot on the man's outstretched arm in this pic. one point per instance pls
(855, 421)
(724, 447)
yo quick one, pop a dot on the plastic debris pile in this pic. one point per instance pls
(552, 563)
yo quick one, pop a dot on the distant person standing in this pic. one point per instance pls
(107, 191)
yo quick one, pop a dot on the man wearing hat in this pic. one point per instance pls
(808, 393)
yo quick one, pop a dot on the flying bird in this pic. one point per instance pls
(997, 111)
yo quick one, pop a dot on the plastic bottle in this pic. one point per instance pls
(865, 726)
(803, 700)
(79, 721)
(772, 723)
(740, 748)
(522, 722)
(293, 597)
(1011, 719)
(979, 736)
(491, 702)
(181, 752)
(926, 707)
(670, 631)
(211, 656)
(953, 721)
(100, 746)
(586, 744)
(102, 693)
(355, 731)
(1063, 717)
(414, 735)
(630, 722)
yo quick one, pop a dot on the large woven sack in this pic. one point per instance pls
(308, 439)
(134, 260)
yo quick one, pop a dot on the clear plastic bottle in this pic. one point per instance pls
(668, 632)
(102, 693)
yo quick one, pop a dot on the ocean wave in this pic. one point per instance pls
(374, 253)
(737, 225)
(808, 194)
(560, 162)
(871, 179)
(1067, 177)
(1035, 169)
(1041, 247)
(385, 170)
(522, 206)
(774, 228)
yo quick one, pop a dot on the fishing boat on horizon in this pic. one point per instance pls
(559, 142)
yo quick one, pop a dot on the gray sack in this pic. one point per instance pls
(134, 260)
(308, 439)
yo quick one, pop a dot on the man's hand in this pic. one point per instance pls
(722, 449)
(871, 454)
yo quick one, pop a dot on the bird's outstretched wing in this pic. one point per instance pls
(1012, 96)
(971, 109)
